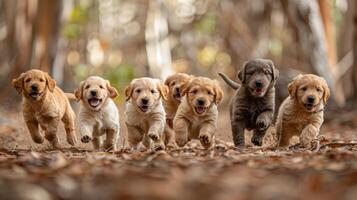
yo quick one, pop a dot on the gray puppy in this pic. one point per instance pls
(252, 107)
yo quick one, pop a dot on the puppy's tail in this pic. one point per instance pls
(70, 96)
(230, 82)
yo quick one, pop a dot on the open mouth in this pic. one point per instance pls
(35, 95)
(144, 108)
(177, 96)
(94, 102)
(200, 109)
(309, 106)
(258, 90)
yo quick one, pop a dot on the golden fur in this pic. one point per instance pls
(174, 84)
(98, 114)
(44, 106)
(196, 116)
(301, 114)
(144, 111)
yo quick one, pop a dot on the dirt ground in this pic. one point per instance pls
(31, 171)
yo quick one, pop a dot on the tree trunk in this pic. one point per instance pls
(354, 70)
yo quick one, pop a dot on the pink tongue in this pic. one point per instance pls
(258, 90)
(94, 102)
(200, 109)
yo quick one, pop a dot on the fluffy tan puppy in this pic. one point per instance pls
(144, 111)
(174, 84)
(98, 114)
(44, 106)
(196, 116)
(301, 114)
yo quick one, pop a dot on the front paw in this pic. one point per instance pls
(158, 147)
(86, 139)
(257, 141)
(108, 146)
(72, 140)
(181, 141)
(154, 136)
(205, 138)
(262, 124)
(38, 140)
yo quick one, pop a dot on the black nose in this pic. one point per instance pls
(144, 101)
(177, 89)
(259, 84)
(93, 93)
(34, 88)
(200, 102)
(310, 99)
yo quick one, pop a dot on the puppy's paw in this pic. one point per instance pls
(154, 136)
(181, 142)
(86, 139)
(72, 140)
(108, 146)
(205, 138)
(257, 141)
(38, 140)
(158, 147)
(262, 124)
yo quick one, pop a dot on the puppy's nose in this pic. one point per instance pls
(201, 102)
(177, 89)
(144, 101)
(34, 88)
(93, 93)
(259, 84)
(310, 99)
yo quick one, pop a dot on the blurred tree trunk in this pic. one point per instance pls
(354, 69)
(304, 17)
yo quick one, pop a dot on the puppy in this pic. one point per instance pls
(44, 105)
(98, 114)
(252, 107)
(196, 116)
(174, 84)
(301, 114)
(145, 114)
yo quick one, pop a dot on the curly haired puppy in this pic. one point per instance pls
(98, 114)
(145, 114)
(44, 105)
(174, 84)
(301, 114)
(196, 116)
(252, 107)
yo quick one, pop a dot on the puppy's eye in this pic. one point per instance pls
(209, 92)
(87, 87)
(42, 80)
(153, 91)
(173, 83)
(101, 87)
(193, 92)
(318, 89)
(304, 88)
(28, 80)
(138, 91)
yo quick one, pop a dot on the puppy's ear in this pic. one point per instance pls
(112, 91)
(241, 73)
(164, 90)
(218, 93)
(18, 83)
(50, 82)
(184, 88)
(293, 86)
(326, 93)
(168, 81)
(274, 70)
(128, 91)
(79, 91)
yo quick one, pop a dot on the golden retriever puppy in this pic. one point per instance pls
(144, 111)
(44, 106)
(98, 114)
(196, 116)
(301, 114)
(174, 84)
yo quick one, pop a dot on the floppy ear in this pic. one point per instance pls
(128, 92)
(274, 70)
(184, 88)
(326, 94)
(18, 83)
(218, 93)
(79, 91)
(167, 81)
(241, 73)
(50, 82)
(292, 87)
(164, 90)
(112, 91)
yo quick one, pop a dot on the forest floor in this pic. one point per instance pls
(29, 171)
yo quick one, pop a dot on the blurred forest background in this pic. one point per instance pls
(122, 39)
